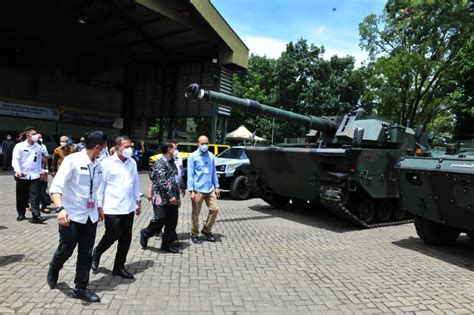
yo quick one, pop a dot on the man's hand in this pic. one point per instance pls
(101, 214)
(138, 211)
(192, 195)
(174, 201)
(19, 174)
(218, 193)
(63, 218)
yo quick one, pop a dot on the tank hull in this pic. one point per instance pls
(439, 189)
(338, 178)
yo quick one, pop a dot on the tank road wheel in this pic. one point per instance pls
(239, 189)
(398, 212)
(384, 210)
(435, 233)
(366, 210)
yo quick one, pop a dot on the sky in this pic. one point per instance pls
(266, 26)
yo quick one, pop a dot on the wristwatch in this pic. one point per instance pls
(59, 209)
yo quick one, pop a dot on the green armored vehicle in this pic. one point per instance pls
(438, 189)
(350, 170)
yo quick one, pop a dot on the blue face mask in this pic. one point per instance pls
(69, 142)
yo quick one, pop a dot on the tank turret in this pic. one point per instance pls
(354, 128)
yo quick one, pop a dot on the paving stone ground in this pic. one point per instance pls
(267, 261)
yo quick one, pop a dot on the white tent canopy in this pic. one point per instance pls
(242, 133)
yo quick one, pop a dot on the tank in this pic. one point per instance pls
(438, 189)
(350, 170)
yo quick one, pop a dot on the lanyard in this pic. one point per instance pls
(91, 176)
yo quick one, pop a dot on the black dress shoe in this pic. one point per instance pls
(170, 249)
(143, 239)
(95, 261)
(85, 295)
(52, 277)
(196, 240)
(20, 218)
(122, 273)
(37, 220)
(209, 236)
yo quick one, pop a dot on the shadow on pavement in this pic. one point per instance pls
(2, 227)
(316, 217)
(460, 254)
(108, 281)
(9, 259)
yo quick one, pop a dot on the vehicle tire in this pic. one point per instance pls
(239, 189)
(384, 210)
(399, 213)
(435, 233)
(366, 210)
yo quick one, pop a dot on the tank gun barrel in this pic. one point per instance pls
(194, 91)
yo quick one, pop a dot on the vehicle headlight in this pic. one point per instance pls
(220, 168)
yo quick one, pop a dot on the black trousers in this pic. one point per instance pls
(166, 216)
(82, 235)
(117, 227)
(7, 161)
(44, 198)
(27, 191)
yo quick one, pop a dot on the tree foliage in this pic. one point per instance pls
(416, 57)
(300, 81)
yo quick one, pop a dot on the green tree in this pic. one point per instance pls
(414, 49)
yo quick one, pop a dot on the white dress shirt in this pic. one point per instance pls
(120, 187)
(27, 159)
(45, 150)
(73, 181)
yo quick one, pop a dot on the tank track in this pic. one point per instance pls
(340, 210)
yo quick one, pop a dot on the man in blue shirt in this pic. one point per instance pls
(203, 185)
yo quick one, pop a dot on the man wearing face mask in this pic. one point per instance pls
(203, 185)
(74, 193)
(120, 196)
(27, 163)
(166, 200)
(60, 153)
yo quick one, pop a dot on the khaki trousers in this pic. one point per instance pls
(211, 202)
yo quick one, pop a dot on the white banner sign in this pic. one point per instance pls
(28, 111)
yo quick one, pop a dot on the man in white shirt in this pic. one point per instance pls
(119, 195)
(27, 160)
(74, 193)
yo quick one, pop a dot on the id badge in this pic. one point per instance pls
(90, 204)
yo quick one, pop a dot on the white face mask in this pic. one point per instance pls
(176, 153)
(34, 138)
(204, 148)
(63, 144)
(127, 153)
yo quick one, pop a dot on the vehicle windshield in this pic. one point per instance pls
(187, 147)
(234, 153)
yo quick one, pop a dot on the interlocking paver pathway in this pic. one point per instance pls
(267, 261)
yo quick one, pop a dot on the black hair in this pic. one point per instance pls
(166, 146)
(171, 141)
(93, 138)
(28, 129)
(119, 139)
